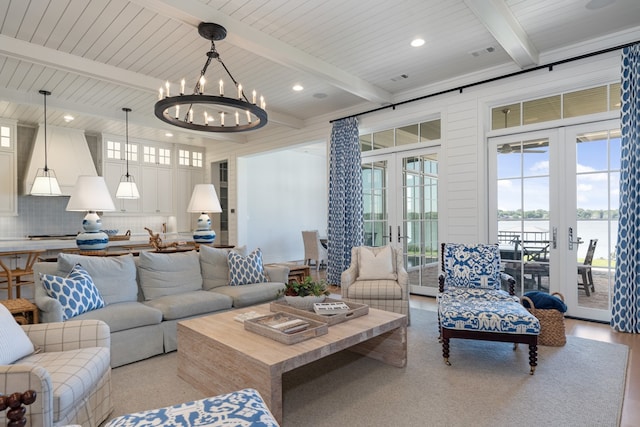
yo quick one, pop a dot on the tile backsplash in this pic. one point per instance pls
(47, 215)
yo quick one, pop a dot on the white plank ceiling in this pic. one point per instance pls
(99, 56)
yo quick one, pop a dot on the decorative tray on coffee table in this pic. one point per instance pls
(286, 328)
(356, 310)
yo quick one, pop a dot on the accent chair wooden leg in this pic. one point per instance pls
(445, 351)
(533, 358)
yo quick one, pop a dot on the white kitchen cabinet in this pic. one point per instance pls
(156, 189)
(112, 172)
(8, 169)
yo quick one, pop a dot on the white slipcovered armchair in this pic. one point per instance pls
(377, 278)
(68, 367)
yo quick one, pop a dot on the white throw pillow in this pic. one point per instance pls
(376, 263)
(14, 342)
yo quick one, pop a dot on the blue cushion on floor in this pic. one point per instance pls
(545, 301)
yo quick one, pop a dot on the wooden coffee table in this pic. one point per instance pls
(216, 355)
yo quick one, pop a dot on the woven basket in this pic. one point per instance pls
(551, 323)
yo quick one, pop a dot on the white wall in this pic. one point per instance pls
(280, 194)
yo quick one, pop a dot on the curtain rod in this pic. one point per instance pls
(493, 79)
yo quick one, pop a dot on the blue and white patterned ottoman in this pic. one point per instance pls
(487, 319)
(240, 408)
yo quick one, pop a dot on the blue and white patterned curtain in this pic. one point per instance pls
(625, 315)
(345, 228)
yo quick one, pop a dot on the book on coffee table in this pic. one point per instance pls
(330, 308)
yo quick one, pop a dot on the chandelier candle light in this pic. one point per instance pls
(203, 112)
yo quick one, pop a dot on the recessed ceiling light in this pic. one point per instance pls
(68, 118)
(417, 42)
(320, 95)
(169, 134)
(297, 88)
(598, 4)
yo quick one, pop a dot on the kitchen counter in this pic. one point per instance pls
(62, 244)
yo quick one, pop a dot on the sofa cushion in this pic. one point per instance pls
(74, 374)
(376, 263)
(251, 294)
(125, 315)
(214, 265)
(374, 289)
(76, 293)
(190, 304)
(14, 342)
(169, 274)
(115, 277)
(246, 270)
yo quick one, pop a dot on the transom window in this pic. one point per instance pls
(5, 136)
(183, 157)
(114, 150)
(411, 134)
(593, 100)
(149, 154)
(164, 156)
(196, 161)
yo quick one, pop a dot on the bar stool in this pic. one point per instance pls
(9, 273)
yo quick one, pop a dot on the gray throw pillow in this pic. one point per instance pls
(214, 265)
(169, 274)
(115, 277)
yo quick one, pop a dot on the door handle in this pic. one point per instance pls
(571, 241)
(400, 237)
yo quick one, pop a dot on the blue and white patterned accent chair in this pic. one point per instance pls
(240, 408)
(472, 305)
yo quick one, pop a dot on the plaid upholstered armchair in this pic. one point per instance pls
(377, 277)
(65, 363)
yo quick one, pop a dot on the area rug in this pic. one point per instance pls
(580, 384)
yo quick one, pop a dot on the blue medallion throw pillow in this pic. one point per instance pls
(76, 292)
(245, 270)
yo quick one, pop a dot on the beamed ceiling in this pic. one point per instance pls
(99, 56)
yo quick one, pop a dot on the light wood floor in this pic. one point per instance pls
(578, 328)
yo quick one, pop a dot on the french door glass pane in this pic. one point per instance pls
(597, 198)
(374, 192)
(523, 212)
(420, 219)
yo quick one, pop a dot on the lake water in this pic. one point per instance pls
(587, 230)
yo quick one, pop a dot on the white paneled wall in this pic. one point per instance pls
(465, 117)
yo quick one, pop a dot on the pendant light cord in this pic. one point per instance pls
(126, 141)
(45, 93)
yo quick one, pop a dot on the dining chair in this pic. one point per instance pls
(584, 270)
(313, 249)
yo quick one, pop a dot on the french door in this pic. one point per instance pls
(554, 192)
(400, 198)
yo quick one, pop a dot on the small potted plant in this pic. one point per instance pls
(303, 295)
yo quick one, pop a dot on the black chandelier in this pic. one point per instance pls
(211, 113)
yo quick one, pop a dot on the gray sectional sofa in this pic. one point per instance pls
(146, 296)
